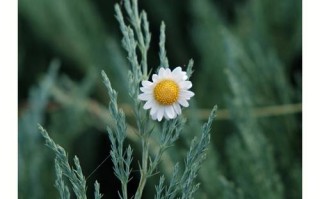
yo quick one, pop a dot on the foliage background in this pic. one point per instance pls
(247, 59)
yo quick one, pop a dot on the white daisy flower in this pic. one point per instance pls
(166, 93)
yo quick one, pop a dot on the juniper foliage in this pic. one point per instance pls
(248, 60)
(170, 129)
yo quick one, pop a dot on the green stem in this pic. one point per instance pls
(124, 190)
(144, 64)
(144, 169)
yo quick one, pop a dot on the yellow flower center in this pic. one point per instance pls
(166, 92)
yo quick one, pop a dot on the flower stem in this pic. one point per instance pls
(124, 191)
(144, 169)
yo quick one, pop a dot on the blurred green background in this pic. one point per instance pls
(248, 61)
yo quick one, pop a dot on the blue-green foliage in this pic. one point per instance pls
(74, 175)
(30, 154)
(247, 57)
(121, 157)
(170, 130)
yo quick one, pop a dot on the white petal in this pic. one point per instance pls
(185, 76)
(179, 75)
(186, 94)
(177, 70)
(167, 72)
(155, 77)
(177, 108)
(146, 83)
(166, 116)
(147, 89)
(169, 111)
(183, 102)
(185, 84)
(154, 109)
(149, 104)
(154, 115)
(160, 113)
(161, 72)
(144, 96)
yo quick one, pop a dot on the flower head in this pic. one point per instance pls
(166, 93)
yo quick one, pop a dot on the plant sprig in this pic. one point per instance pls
(121, 159)
(136, 39)
(137, 34)
(74, 175)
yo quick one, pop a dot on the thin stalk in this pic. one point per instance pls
(124, 190)
(144, 169)
(142, 47)
(144, 64)
(124, 181)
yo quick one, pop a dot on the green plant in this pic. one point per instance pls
(247, 59)
(169, 130)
